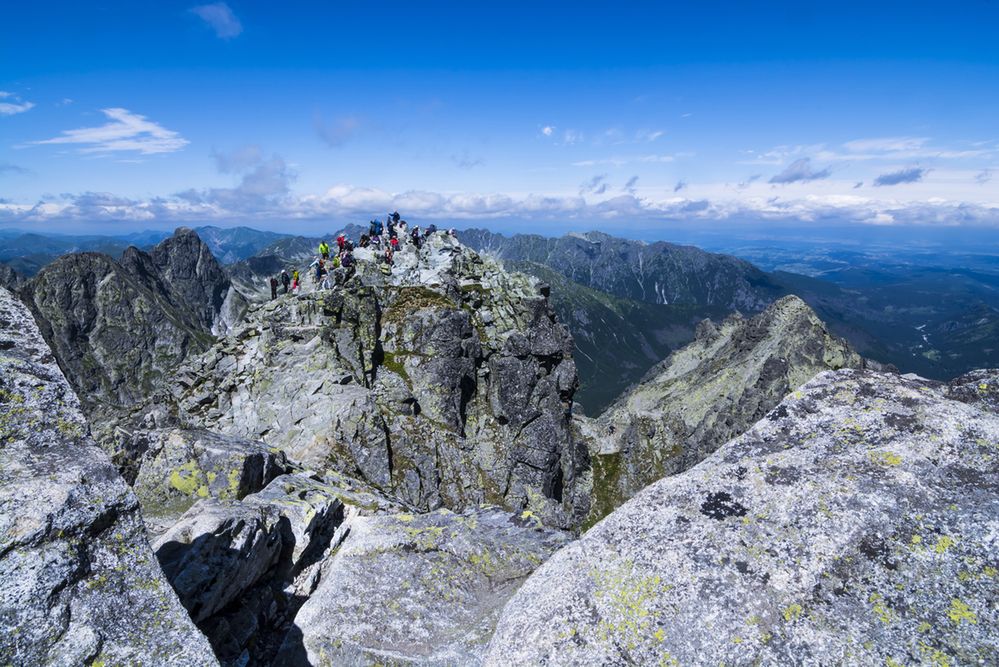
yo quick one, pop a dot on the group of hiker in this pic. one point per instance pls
(384, 237)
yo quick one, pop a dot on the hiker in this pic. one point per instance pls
(285, 280)
(347, 262)
(317, 264)
(377, 226)
(365, 240)
(274, 284)
(451, 232)
(432, 229)
(294, 280)
(401, 227)
(340, 240)
(414, 236)
(388, 255)
(324, 250)
(394, 217)
(394, 244)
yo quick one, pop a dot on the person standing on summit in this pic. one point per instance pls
(324, 249)
(285, 280)
(274, 284)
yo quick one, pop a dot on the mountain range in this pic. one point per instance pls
(631, 303)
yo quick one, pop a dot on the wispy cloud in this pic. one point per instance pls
(680, 185)
(885, 144)
(466, 161)
(263, 186)
(338, 131)
(648, 135)
(629, 187)
(548, 130)
(9, 168)
(909, 175)
(595, 186)
(983, 177)
(14, 106)
(238, 160)
(798, 171)
(220, 18)
(127, 131)
(620, 160)
(570, 137)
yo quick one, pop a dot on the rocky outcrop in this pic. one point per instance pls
(79, 584)
(9, 278)
(445, 381)
(183, 466)
(855, 524)
(243, 568)
(418, 589)
(706, 394)
(979, 388)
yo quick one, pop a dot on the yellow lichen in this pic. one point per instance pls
(944, 542)
(959, 611)
(792, 612)
(885, 458)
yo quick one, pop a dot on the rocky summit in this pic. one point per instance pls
(445, 382)
(79, 584)
(707, 393)
(857, 523)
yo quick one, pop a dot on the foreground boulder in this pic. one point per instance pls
(706, 394)
(858, 523)
(418, 589)
(183, 466)
(79, 584)
(243, 568)
(445, 382)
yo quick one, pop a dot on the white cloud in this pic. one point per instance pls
(126, 132)
(620, 160)
(548, 130)
(220, 18)
(15, 106)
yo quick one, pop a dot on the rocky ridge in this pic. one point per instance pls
(705, 394)
(445, 382)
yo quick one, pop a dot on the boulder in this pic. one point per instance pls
(857, 523)
(79, 584)
(418, 589)
(182, 466)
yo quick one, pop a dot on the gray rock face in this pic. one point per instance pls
(858, 523)
(78, 580)
(118, 329)
(418, 589)
(445, 382)
(9, 278)
(243, 568)
(979, 388)
(184, 466)
(707, 393)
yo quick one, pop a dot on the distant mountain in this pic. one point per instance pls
(28, 252)
(913, 316)
(233, 244)
(662, 273)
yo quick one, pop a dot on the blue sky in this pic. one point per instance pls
(517, 115)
